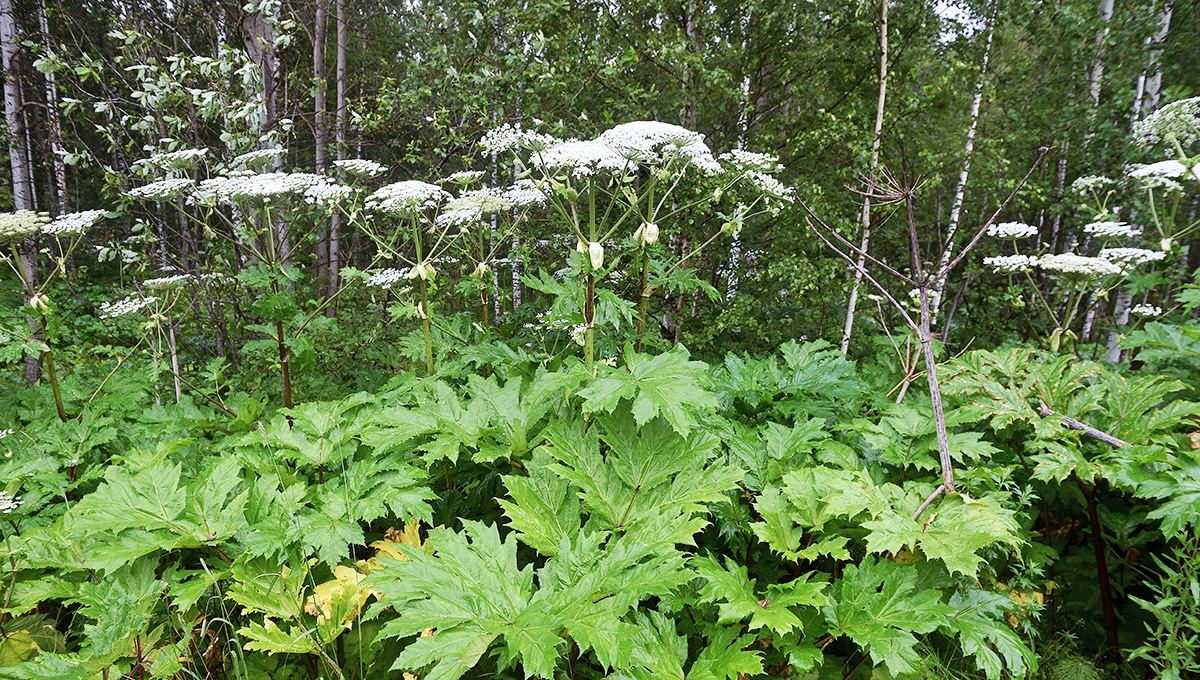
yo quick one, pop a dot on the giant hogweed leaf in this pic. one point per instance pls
(1180, 487)
(543, 509)
(667, 384)
(726, 656)
(980, 624)
(953, 534)
(876, 605)
(120, 605)
(739, 600)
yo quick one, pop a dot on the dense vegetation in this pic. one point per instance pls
(576, 340)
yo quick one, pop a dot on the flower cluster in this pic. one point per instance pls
(74, 223)
(1146, 310)
(1090, 183)
(1111, 229)
(360, 167)
(742, 161)
(407, 198)
(1128, 258)
(327, 193)
(1010, 264)
(1012, 230)
(465, 177)
(771, 188)
(162, 190)
(165, 282)
(472, 206)
(168, 161)
(386, 278)
(1077, 266)
(253, 188)
(9, 502)
(584, 157)
(19, 225)
(651, 142)
(524, 192)
(510, 137)
(128, 305)
(1177, 122)
(258, 159)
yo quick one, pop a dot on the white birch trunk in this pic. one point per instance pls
(939, 285)
(54, 118)
(851, 303)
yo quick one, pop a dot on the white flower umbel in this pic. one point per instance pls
(1010, 264)
(651, 142)
(9, 502)
(256, 188)
(1128, 258)
(128, 305)
(524, 193)
(510, 137)
(1091, 183)
(258, 159)
(74, 223)
(741, 161)
(1077, 266)
(386, 278)
(1177, 122)
(166, 282)
(1111, 229)
(407, 198)
(170, 161)
(1012, 230)
(465, 177)
(327, 193)
(470, 208)
(360, 167)
(20, 225)
(771, 188)
(1172, 169)
(1146, 310)
(583, 158)
(162, 190)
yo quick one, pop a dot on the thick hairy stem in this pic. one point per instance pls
(1106, 599)
(935, 394)
(53, 375)
(589, 318)
(425, 327)
(284, 369)
(645, 295)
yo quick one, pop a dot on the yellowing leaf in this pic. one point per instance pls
(345, 587)
(388, 547)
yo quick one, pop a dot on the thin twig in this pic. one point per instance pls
(1045, 412)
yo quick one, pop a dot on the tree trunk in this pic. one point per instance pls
(848, 330)
(320, 135)
(1154, 77)
(54, 120)
(1096, 75)
(22, 173)
(939, 285)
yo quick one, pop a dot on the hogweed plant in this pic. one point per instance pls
(634, 179)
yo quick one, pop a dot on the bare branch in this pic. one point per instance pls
(855, 249)
(1045, 412)
(866, 275)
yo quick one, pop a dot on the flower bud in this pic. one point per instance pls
(581, 247)
(647, 234)
(596, 253)
(482, 270)
(1166, 244)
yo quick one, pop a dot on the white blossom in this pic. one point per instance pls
(742, 160)
(1111, 229)
(258, 159)
(1128, 258)
(651, 142)
(407, 198)
(252, 188)
(584, 157)
(327, 193)
(19, 225)
(770, 187)
(162, 190)
(1176, 122)
(510, 137)
(386, 278)
(525, 192)
(472, 206)
(1146, 310)
(360, 167)
(1077, 266)
(74, 223)
(465, 177)
(167, 161)
(164, 282)
(1090, 183)
(1012, 230)
(128, 305)
(1010, 264)
(5, 433)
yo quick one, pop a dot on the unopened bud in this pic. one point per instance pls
(647, 234)
(596, 253)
